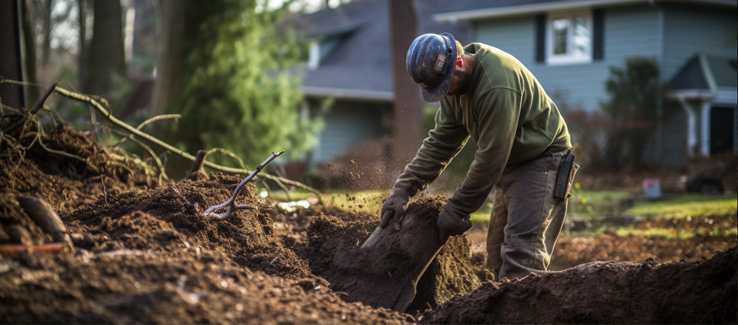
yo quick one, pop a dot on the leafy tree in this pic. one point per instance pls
(633, 109)
(235, 91)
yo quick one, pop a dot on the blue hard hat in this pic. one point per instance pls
(431, 62)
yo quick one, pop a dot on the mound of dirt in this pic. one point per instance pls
(144, 253)
(65, 168)
(166, 220)
(143, 286)
(142, 247)
(606, 292)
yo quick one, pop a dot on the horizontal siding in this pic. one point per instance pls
(689, 30)
(674, 146)
(347, 125)
(629, 31)
(514, 35)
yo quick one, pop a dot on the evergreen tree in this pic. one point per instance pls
(235, 90)
(632, 108)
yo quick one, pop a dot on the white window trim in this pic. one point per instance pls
(314, 56)
(552, 59)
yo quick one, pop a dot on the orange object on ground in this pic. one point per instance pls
(53, 248)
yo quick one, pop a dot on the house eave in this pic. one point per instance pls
(529, 9)
(344, 93)
(692, 94)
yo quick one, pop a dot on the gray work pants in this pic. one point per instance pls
(526, 219)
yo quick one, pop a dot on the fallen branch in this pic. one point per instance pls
(144, 123)
(229, 154)
(150, 151)
(196, 167)
(39, 104)
(231, 203)
(107, 115)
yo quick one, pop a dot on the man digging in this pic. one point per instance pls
(524, 151)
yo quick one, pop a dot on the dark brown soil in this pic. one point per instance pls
(144, 254)
(606, 292)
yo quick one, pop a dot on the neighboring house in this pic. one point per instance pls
(569, 45)
(350, 63)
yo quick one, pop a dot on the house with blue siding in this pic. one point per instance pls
(569, 45)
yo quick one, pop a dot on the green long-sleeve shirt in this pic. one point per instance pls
(505, 111)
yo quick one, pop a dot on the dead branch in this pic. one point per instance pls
(149, 121)
(148, 149)
(171, 148)
(196, 167)
(229, 154)
(16, 82)
(231, 203)
(39, 104)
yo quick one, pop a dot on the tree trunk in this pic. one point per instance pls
(408, 104)
(171, 56)
(29, 46)
(106, 53)
(46, 32)
(82, 70)
(10, 52)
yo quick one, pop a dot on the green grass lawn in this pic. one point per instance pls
(691, 205)
(600, 208)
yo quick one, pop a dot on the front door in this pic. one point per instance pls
(723, 134)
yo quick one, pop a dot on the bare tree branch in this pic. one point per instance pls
(171, 148)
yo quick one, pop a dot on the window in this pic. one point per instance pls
(569, 38)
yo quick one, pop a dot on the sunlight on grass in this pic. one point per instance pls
(694, 205)
(596, 203)
(482, 215)
(675, 233)
(365, 201)
(281, 196)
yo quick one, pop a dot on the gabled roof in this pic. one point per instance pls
(360, 65)
(706, 76)
(704, 72)
(488, 9)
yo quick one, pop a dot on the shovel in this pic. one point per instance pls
(374, 237)
(414, 240)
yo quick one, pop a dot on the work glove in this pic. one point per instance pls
(451, 223)
(394, 206)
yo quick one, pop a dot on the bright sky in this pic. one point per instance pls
(66, 33)
(307, 6)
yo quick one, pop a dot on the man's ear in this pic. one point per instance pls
(459, 62)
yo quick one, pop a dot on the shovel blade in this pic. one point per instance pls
(400, 256)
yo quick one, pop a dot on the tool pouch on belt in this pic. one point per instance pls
(565, 177)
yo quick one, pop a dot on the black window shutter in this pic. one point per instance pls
(598, 39)
(540, 45)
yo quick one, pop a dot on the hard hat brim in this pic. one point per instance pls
(441, 90)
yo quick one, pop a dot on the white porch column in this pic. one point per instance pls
(705, 129)
(691, 126)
